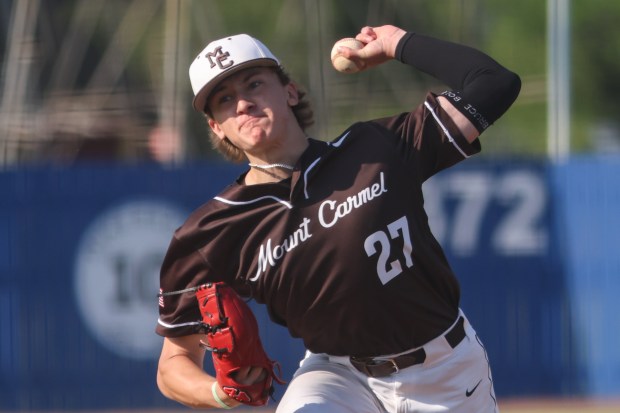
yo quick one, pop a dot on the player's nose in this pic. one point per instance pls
(244, 104)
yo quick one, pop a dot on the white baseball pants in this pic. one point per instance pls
(450, 380)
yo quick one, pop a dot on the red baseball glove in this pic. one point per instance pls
(232, 338)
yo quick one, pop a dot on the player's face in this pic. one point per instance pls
(252, 109)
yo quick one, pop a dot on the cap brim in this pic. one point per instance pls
(200, 100)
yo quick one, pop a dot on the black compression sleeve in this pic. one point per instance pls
(482, 88)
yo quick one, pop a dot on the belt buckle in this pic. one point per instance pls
(381, 367)
(394, 365)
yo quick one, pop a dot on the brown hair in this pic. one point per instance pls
(302, 111)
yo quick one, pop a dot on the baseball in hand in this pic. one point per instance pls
(343, 64)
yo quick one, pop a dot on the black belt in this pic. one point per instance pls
(384, 367)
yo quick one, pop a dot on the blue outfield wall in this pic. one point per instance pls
(587, 192)
(533, 245)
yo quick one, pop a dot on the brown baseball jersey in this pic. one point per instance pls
(341, 253)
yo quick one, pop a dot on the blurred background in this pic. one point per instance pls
(102, 157)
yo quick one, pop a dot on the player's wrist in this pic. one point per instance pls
(215, 390)
(394, 42)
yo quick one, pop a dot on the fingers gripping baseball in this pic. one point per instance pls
(371, 47)
(345, 55)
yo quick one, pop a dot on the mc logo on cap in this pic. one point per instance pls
(220, 59)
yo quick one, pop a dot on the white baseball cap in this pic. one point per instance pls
(221, 58)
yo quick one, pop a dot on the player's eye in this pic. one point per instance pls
(255, 83)
(224, 99)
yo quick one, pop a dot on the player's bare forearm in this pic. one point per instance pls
(180, 376)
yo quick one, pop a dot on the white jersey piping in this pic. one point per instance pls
(445, 130)
(227, 201)
(313, 164)
(163, 324)
(306, 176)
(339, 141)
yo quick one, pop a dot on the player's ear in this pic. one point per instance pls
(293, 94)
(215, 127)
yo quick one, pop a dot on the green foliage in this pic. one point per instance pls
(70, 48)
(596, 58)
(514, 33)
(302, 32)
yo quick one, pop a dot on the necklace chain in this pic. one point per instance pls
(272, 165)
